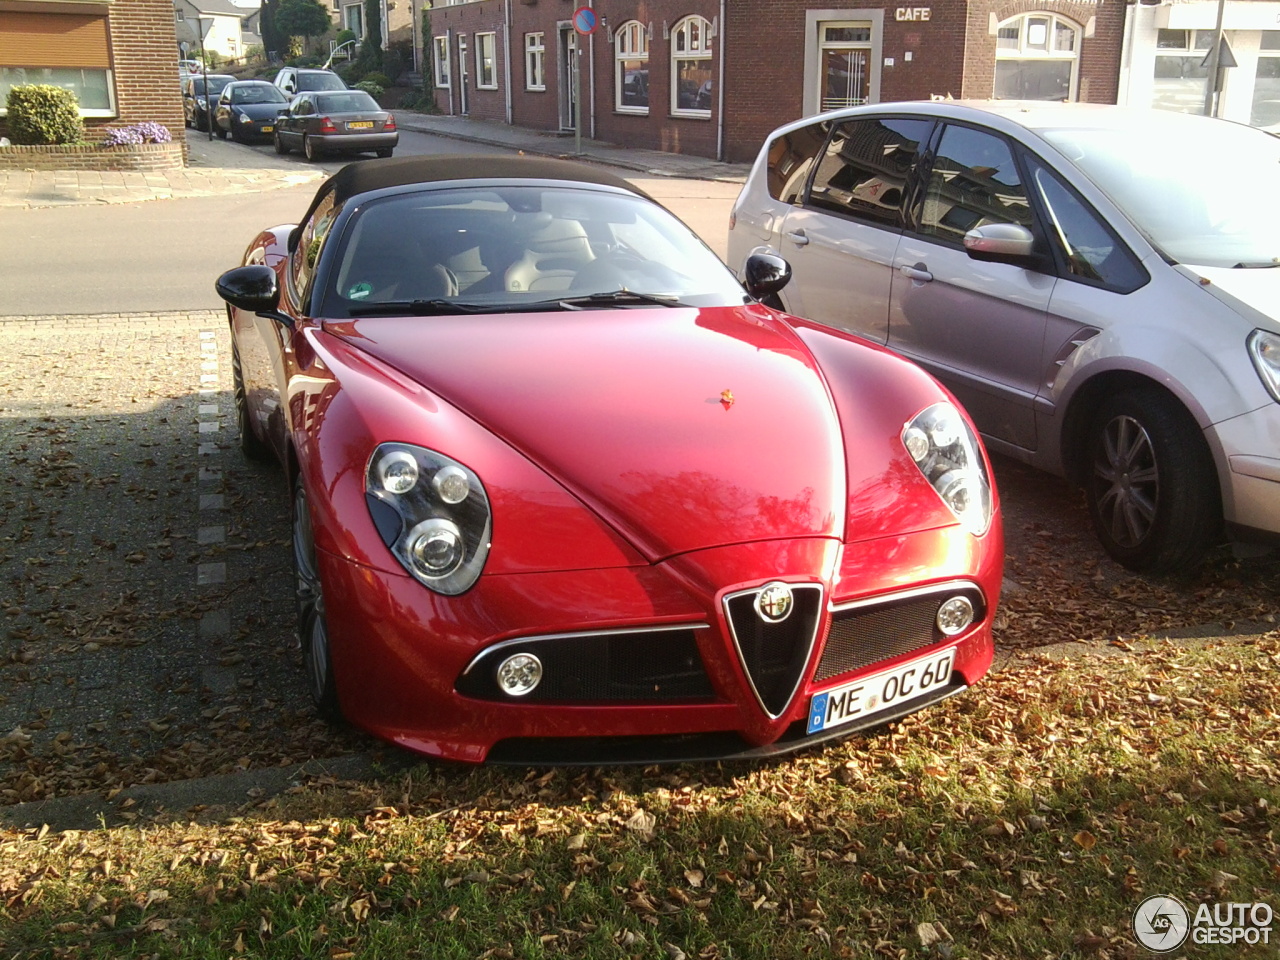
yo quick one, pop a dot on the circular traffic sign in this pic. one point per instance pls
(584, 20)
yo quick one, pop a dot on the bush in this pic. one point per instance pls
(304, 61)
(149, 132)
(374, 90)
(40, 113)
(419, 99)
(379, 78)
(392, 65)
(350, 73)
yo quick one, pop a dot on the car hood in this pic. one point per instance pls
(1256, 288)
(681, 428)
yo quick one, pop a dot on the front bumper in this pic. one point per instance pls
(399, 649)
(1249, 446)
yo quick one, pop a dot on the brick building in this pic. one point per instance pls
(713, 77)
(119, 57)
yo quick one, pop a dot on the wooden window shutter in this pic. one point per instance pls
(53, 40)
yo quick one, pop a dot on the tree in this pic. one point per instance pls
(370, 58)
(301, 18)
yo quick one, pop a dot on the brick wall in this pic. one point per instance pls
(140, 156)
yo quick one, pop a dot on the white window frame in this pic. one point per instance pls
(489, 41)
(108, 77)
(630, 44)
(1050, 53)
(440, 61)
(535, 61)
(690, 40)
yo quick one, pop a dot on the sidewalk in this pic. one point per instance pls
(218, 168)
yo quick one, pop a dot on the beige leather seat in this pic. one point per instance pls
(554, 253)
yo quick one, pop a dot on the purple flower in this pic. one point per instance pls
(148, 132)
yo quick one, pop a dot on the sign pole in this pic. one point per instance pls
(584, 23)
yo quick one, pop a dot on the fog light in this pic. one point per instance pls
(955, 615)
(451, 484)
(519, 674)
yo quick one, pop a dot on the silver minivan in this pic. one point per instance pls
(1100, 287)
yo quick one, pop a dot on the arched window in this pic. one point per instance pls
(1036, 58)
(631, 77)
(692, 83)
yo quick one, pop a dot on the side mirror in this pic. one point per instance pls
(765, 273)
(253, 288)
(1000, 242)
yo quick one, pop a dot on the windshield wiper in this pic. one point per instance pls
(421, 307)
(622, 295)
(1259, 265)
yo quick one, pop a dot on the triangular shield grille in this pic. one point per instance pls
(774, 654)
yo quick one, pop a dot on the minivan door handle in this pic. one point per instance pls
(919, 272)
(797, 237)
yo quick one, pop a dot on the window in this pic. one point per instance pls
(791, 158)
(1036, 56)
(486, 66)
(1266, 84)
(1180, 74)
(180, 16)
(845, 72)
(865, 166)
(67, 50)
(353, 19)
(440, 62)
(535, 58)
(974, 182)
(310, 243)
(631, 76)
(691, 79)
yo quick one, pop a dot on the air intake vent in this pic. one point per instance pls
(774, 654)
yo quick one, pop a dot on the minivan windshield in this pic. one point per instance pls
(1204, 191)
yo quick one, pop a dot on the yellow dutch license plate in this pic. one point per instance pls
(360, 125)
(268, 129)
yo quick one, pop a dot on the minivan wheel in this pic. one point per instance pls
(313, 625)
(1151, 485)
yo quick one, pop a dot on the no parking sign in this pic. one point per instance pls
(584, 20)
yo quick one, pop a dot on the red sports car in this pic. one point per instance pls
(563, 491)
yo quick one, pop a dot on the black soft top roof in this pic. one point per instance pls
(367, 175)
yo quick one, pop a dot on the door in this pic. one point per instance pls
(841, 241)
(567, 75)
(978, 327)
(464, 98)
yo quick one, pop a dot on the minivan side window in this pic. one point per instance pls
(864, 169)
(1092, 253)
(791, 158)
(974, 182)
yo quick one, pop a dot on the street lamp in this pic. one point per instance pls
(204, 70)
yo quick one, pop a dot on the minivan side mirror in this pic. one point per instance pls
(765, 273)
(1001, 243)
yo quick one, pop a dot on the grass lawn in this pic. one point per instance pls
(1026, 819)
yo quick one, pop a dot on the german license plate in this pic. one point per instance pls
(360, 125)
(268, 129)
(881, 691)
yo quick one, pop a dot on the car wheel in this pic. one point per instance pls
(280, 147)
(1151, 487)
(313, 627)
(309, 149)
(222, 134)
(385, 152)
(250, 444)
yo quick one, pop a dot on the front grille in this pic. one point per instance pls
(870, 633)
(774, 654)
(642, 666)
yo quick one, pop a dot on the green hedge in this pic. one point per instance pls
(40, 113)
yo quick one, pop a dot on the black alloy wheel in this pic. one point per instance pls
(1152, 488)
(250, 444)
(313, 627)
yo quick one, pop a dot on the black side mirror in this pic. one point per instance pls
(764, 274)
(253, 288)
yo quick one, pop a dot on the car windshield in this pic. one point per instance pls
(514, 248)
(320, 81)
(354, 101)
(215, 85)
(258, 93)
(1206, 192)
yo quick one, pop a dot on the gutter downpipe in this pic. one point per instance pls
(1126, 46)
(506, 42)
(448, 45)
(724, 29)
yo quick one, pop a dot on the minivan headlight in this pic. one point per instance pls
(431, 512)
(947, 452)
(1264, 350)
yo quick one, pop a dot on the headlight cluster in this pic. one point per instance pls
(947, 453)
(1264, 349)
(432, 512)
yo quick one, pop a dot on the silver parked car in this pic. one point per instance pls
(1099, 287)
(347, 121)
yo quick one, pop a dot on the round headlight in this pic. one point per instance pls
(955, 615)
(944, 431)
(917, 443)
(451, 484)
(435, 547)
(955, 487)
(398, 472)
(519, 674)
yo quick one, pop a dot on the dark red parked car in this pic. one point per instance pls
(563, 491)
